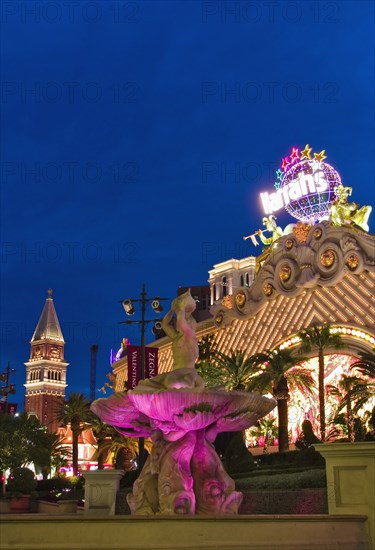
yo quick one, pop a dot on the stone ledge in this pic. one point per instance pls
(286, 532)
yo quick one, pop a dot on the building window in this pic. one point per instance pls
(224, 285)
(241, 281)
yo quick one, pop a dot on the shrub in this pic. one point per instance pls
(299, 480)
(21, 480)
(128, 479)
(55, 484)
(304, 457)
(236, 457)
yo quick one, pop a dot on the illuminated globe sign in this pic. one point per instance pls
(305, 187)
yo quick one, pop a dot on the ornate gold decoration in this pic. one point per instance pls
(267, 289)
(343, 212)
(227, 301)
(219, 318)
(328, 258)
(301, 230)
(270, 224)
(289, 243)
(352, 262)
(240, 299)
(317, 233)
(285, 272)
(320, 156)
(305, 154)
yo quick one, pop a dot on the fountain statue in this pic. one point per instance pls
(183, 474)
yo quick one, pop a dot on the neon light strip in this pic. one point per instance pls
(335, 330)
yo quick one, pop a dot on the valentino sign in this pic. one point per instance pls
(134, 364)
(304, 186)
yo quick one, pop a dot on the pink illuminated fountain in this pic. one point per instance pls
(183, 474)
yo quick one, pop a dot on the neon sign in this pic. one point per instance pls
(305, 187)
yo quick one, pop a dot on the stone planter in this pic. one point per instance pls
(350, 469)
(4, 506)
(101, 487)
(20, 504)
(57, 508)
(67, 506)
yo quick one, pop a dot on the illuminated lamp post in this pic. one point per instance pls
(130, 310)
(8, 388)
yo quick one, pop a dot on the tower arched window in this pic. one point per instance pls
(59, 376)
(224, 285)
(247, 279)
(241, 280)
(49, 375)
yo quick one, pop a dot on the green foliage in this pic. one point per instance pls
(199, 407)
(129, 478)
(352, 393)
(232, 371)
(322, 339)
(55, 484)
(266, 428)
(298, 480)
(75, 410)
(23, 440)
(236, 457)
(277, 371)
(366, 365)
(22, 481)
(304, 457)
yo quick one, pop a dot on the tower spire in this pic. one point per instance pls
(46, 369)
(48, 327)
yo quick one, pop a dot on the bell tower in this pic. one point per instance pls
(46, 369)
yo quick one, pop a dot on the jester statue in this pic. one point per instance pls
(343, 212)
(183, 474)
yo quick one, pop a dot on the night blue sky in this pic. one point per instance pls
(137, 136)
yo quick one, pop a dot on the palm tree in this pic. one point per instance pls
(48, 452)
(120, 445)
(352, 393)
(233, 371)
(320, 338)
(366, 365)
(103, 433)
(75, 411)
(265, 428)
(279, 371)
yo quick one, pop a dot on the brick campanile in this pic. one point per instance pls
(46, 369)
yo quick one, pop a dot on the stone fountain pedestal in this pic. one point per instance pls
(183, 473)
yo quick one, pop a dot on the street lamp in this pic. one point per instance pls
(8, 388)
(130, 310)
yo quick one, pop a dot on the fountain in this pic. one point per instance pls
(183, 474)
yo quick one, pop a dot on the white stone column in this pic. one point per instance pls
(350, 469)
(101, 488)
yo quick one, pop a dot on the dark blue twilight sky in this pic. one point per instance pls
(137, 136)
